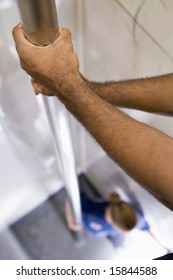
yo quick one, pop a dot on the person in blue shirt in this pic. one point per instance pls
(110, 217)
(107, 217)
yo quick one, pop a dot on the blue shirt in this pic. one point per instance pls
(94, 221)
(93, 217)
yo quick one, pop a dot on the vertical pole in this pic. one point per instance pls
(40, 23)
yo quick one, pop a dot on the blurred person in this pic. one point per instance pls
(112, 218)
(103, 217)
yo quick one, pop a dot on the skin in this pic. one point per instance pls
(145, 153)
(153, 95)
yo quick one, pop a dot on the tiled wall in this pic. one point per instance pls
(126, 40)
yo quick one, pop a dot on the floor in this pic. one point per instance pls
(43, 234)
(107, 177)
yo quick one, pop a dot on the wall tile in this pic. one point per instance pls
(156, 17)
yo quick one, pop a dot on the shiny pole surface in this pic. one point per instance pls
(40, 23)
(39, 19)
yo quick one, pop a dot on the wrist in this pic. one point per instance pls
(89, 83)
(69, 85)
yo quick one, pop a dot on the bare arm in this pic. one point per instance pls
(145, 153)
(149, 94)
(72, 225)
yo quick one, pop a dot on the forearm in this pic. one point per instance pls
(144, 153)
(149, 94)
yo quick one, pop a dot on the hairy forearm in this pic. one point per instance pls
(144, 153)
(149, 94)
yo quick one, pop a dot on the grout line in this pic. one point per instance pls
(144, 30)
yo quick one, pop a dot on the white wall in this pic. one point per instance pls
(114, 50)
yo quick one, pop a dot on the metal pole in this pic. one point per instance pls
(39, 19)
(40, 23)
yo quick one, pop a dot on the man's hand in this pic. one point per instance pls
(54, 67)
